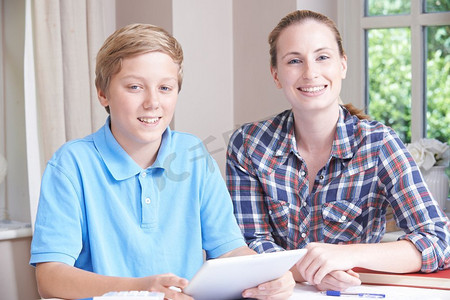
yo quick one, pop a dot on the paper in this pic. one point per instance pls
(128, 295)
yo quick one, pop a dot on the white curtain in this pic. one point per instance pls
(62, 40)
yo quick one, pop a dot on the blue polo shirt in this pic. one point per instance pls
(99, 211)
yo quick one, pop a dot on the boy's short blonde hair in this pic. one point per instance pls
(134, 39)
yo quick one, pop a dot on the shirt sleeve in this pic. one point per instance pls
(58, 227)
(415, 211)
(220, 233)
(248, 198)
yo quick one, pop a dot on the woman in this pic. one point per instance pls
(321, 176)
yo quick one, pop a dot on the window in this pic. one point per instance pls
(402, 49)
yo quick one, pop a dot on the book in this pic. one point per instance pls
(435, 280)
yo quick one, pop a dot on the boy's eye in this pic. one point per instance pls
(294, 61)
(134, 87)
(165, 88)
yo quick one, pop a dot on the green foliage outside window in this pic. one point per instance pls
(437, 5)
(438, 83)
(384, 8)
(390, 78)
(389, 71)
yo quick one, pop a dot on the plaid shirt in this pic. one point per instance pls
(369, 168)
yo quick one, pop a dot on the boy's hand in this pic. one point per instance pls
(281, 288)
(169, 284)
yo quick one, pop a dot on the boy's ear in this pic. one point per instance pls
(102, 98)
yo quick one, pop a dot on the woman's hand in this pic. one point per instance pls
(281, 288)
(339, 281)
(322, 259)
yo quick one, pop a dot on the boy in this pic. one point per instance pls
(125, 206)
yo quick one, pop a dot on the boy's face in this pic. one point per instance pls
(142, 99)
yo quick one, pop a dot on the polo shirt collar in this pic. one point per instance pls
(117, 161)
(165, 150)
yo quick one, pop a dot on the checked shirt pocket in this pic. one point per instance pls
(340, 221)
(279, 217)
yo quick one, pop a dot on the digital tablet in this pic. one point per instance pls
(227, 278)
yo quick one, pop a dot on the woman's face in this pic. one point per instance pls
(309, 67)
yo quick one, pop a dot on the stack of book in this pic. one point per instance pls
(435, 280)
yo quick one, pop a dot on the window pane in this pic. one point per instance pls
(388, 7)
(389, 78)
(437, 5)
(438, 83)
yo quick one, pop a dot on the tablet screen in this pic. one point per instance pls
(227, 278)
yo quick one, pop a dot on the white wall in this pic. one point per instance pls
(326, 7)
(13, 126)
(256, 96)
(2, 121)
(17, 280)
(156, 12)
(205, 107)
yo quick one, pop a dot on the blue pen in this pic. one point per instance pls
(360, 295)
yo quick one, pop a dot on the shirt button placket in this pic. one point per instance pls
(147, 199)
(147, 214)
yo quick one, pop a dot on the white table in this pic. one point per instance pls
(304, 291)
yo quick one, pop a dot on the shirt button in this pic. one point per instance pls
(143, 174)
(303, 203)
(303, 235)
(147, 200)
(302, 173)
(343, 218)
(321, 177)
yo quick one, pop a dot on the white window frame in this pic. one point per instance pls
(352, 24)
